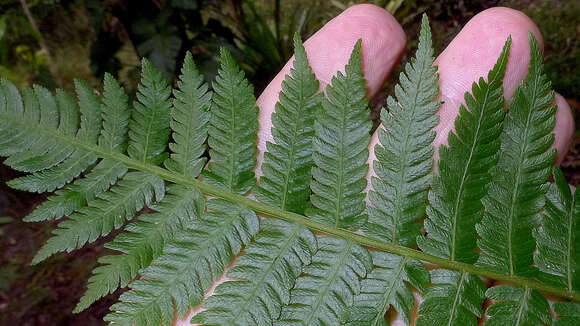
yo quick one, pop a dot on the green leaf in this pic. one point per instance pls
(149, 124)
(76, 195)
(520, 179)
(101, 216)
(405, 152)
(558, 240)
(328, 285)
(385, 286)
(454, 299)
(341, 149)
(568, 313)
(287, 165)
(517, 307)
(232, 132)
(116, 116)
(187, 267)
(189, 121)
(265, 273)
(142, 242)
(461, 182)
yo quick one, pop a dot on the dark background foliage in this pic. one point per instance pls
(51, 42)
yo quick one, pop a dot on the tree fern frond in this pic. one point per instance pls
(455, 198)
(76, 195)
(454, 299)
(101, 216)
(568, 313)
(341, 149)
(187, 267)
(385, 286)
(287, 166)
(189, 121)
(405, 153)
(266, 273)
(516, 194)
(328, 285)
(143, 241)
(232, 132)
(149, 124)
(558, 256)
(116, 116)
(517, 307)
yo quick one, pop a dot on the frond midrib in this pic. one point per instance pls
(272, 211)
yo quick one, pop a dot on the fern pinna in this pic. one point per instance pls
(313, 249)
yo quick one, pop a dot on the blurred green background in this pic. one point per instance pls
(51, 42)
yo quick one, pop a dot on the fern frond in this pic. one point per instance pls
(77, 194)
(386, 286)
(517, 307)
(143, 241)
(455, 298)
(405, 153)
(328, 285)
(558, 240)
(187, 267)
(189, 121)
(149, 124)
(457, 189)
(101, 216)
(287, 166)
(568, 313)
(116, 116)
(341, 149)
(516, 193)
(71, 167)
(266, 273)
(232, 132)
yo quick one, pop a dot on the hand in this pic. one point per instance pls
(469, 56)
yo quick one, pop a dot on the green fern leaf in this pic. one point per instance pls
(517, 307)
(149, 124)
(189, 120)
(187, 267)
(454, 299)
(568, 313)
(516, 194)
(558, 256)
(328, 285)
(116, 116)
(142, 242)
(455, 198)
(288, 162)
(385, 286)
(232, 131)
(405, 153)
(341, 149)
(266, 271)
(101, 216)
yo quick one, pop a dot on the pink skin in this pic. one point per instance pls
(470, 55)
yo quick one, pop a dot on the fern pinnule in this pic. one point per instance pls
(232, 131)
(116, 115)
(558, 240)
(189, 121)
(262, 277)
(461, 182)
(149, 124)
(517, 306)
(142, 242)
(341, 141)
(520, 179)
(108, 212)
(405, 153)
(188, 266)
(287, 165)
(568, 313)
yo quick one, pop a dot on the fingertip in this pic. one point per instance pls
(564, 129)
